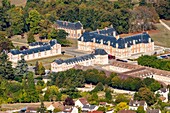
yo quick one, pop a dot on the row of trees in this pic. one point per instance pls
(77, 78)
(154, 62)
(38, 16)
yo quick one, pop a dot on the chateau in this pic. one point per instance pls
(36, 50)
(98, 56)
(74, 30)
(108, 40)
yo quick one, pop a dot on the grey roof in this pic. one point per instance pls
(89, 106)
(75, 59)
(140, 103)
(100, 52)
(82, 58)
(163, 90)
(153, 111)
(139, 38)
(107, 31)
(38, 43)
(69, 25)
(35, 50)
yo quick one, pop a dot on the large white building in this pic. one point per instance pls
(110, 41)
(74, 30)
(98, 56)
(36, 50)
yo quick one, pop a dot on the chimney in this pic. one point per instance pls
(125, 45)
(94, 40)
(98, 31)
(114, 33)
(82, 38)
(117, 37)
(117, 45)
(108, 43)
(101, 41)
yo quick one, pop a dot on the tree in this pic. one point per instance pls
(30, 38)
(33, 21)
(39, 68)
(145, 94)
(5, 44)
(21, 69)
(99, 87)
(121, 106)
(140, 110)
(6, 70)
(69, 101)
(108, 95)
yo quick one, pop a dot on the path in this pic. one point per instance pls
(165, 25)
(21, 43)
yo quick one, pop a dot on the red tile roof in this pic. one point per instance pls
(83, 101)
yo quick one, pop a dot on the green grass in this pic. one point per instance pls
(162, 37)
(47, 61)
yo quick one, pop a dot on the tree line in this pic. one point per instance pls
(38, 16)
(154, 62)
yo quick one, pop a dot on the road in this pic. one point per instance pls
(165, 25)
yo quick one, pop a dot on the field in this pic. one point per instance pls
(47, 61)
(161, 36)
(17, 2)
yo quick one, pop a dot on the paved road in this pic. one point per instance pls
(165, 25)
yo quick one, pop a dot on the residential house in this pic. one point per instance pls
(113, 44)
(36, 50)
(69, 109)
(88, 108)
(55, 105)
(74, 30)
(153, 111)
(134, 104)
(81, 102)
(98, 56)
(163, 92)
(126, 111)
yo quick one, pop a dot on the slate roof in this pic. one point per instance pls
(153, 111)
(38, 43)
(141, 103)
(107, 31)
(69, 25)
(139, 38)
(163, 90)
(91, 107)
(82, 58)
(35, 50)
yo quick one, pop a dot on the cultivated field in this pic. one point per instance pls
(161, 36)
(17, 2)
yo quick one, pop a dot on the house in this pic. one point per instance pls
(126, 111)
(81, 102)
(55, 105)
(36, 50)
(98, 56)
(69, 109)
(102, 103)
(74, 30)
(153, 111)
(88, 108)
(113, 44)
(163, 92)
(134, 104)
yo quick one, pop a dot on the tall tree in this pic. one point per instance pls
(33, 21)
(39, 68)
(31, 37)
(21, 69)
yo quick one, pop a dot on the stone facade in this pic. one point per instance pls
(99, 56)
(114, 45)
(36, 50)
(74, 30)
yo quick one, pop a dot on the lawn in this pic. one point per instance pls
(162, 36)
(47, 61)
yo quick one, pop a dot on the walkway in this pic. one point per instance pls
(165, 25)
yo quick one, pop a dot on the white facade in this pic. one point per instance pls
(133, 105)
(35, 52)
(163, 92)
(86, 60)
